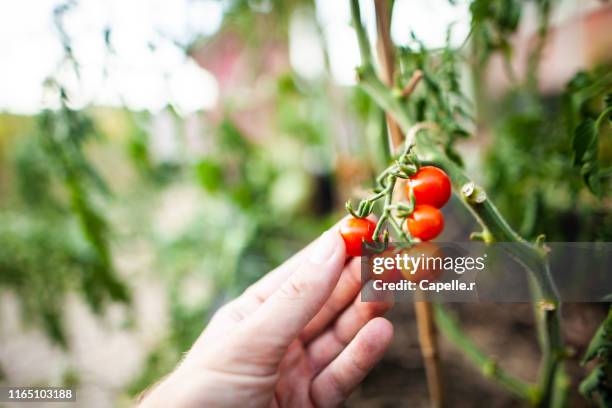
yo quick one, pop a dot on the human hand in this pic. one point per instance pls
(300, 336)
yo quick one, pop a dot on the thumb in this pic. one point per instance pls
(280, 319)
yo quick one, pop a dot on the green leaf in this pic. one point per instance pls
(231, 137)
(593, 181)
(453, 155)
(601, 341)
(579, 81)
(209, 174)
(585, 138)
(242, 195)
(585, 146)
(599, 379)
(591, 383)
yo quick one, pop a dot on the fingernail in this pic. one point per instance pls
(323, 249)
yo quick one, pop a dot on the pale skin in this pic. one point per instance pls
(298, 337)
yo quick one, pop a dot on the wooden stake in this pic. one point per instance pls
(387, 61)
(423, 310)
(428, 341)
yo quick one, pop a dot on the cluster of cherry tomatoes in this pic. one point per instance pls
(431, 188)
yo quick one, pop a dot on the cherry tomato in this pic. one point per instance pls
(426, 222)
(430, 185)
(354, 231)
(425, 269)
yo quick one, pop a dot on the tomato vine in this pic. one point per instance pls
(551, 386)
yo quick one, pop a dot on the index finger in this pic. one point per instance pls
(270, 282)
(296, 301)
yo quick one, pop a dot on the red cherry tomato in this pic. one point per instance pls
(354, 231)
(430, 185)
(426, 222)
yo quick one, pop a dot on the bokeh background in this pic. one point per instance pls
(157, 157)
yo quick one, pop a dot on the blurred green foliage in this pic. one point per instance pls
(548, 161)
(260, 198)
(56, 239)
(588, 114)
(441, 98)
(493, 23)
(59, 221)
(530, 173)
(246, 229)
(544, 149)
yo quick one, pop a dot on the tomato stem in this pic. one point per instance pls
(495, 226)
(450, 327)
(402, 168)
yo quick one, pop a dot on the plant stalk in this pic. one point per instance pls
(489, 368)
(531, 256)
(426, 328)
(386, 56)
